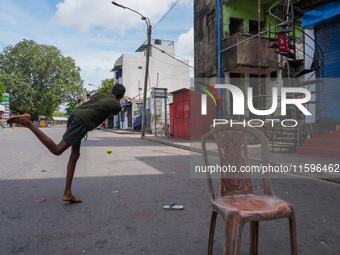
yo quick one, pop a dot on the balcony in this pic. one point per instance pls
(243, 57)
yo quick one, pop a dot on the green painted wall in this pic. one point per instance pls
(242, 9)
(247, 10)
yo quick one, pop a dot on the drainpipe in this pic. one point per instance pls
(259, 32)
(219, 50)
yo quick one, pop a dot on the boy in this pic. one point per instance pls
(84, 118)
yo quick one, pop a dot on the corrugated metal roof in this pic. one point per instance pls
(60, 118)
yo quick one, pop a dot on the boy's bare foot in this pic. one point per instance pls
(71, 199)
(20, 119)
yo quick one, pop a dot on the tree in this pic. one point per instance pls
(70, 107)
(58, 114)
(38, 77)
(107, 85)
(2, 90)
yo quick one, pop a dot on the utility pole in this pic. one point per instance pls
(146, 78)
(149, 28)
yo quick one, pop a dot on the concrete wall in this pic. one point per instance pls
(246, 54)
(133, 74)
(206, 39)
(167, 72)
(164, 71)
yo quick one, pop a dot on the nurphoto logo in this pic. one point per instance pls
(238, 104)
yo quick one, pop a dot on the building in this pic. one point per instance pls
(165, 71)
(321, 21)
(230, 49)
(287, 54)
(323, 25)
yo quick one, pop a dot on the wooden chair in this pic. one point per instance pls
(236, 201)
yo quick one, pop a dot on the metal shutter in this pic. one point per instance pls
(328, 37)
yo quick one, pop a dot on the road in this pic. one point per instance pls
(124, 193)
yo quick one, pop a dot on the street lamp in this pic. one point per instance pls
(149, 27)
(95, 86)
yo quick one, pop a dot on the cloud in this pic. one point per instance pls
(84, 15)
(185, 45)
(95, 32)
(95, 65)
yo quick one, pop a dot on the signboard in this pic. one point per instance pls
(160, 93)
(283, 43)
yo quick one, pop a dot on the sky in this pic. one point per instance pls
(95, 32)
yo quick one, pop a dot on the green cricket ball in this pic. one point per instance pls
(109, 151)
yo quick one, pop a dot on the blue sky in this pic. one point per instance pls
(95, 32)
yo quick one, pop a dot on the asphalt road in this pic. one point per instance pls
(124, 193)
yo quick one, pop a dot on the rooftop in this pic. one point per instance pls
(155, 42)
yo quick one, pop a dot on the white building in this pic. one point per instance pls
(165, 71)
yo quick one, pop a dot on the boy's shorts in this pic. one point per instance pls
(76, 129)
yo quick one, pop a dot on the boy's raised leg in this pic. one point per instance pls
(56, 149)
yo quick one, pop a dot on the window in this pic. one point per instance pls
(273, 75)
(211, 18)
(253, 26)
(119, 73)
(235, 26)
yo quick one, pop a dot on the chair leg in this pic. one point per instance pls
(292, 230)
(233, 234)
(254, 237)
(211, 232)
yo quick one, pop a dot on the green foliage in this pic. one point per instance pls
(2, 90)
(70, 107)
(58, 114)
(107, 85)
(38, 77)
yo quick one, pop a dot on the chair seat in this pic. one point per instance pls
(260, 207)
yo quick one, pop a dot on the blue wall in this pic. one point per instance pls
(319, 16)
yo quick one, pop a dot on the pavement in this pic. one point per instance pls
(124, 193)
(304, 165)
(314, 197)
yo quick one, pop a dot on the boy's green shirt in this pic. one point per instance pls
(97, 109)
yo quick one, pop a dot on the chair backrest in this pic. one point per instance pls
(232, 145)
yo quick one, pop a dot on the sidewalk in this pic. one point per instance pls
(305, 165)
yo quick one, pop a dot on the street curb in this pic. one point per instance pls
(250, 159)
(180, 146)
(121, 132)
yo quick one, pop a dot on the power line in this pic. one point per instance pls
(162, 18)
(166, 63)
(165, 14)
(177, 56)
(166, 53)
